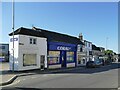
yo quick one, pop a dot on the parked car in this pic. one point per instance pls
(93, 64)
(102, 62)
(107, 62)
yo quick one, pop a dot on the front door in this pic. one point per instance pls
(42, 61)
(63, 59)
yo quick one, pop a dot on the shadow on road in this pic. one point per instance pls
(89, 70)
(77, 70)
(24, 88)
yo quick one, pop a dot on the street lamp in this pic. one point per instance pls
(106, 43)
(13, 32)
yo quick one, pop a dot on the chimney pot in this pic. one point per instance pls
(81, 36)
(34, 28)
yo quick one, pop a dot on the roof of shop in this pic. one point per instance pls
(50, 35)
(95, 47)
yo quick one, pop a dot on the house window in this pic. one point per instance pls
(89, 44)
(29, 60)
(81, 50)
(30, 40)
(86, 44)
(33, 41)
(2, 47)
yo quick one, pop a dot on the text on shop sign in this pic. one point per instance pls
(63, 48)
(15, 39)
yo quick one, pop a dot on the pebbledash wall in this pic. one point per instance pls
(39, 49)
(27, 53)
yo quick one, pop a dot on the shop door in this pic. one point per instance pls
(42, 61)
(63, 59)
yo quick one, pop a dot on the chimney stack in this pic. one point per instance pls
(34, 28)
(81, 37)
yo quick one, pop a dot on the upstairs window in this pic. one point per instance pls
(89, 45)
(86, 44)
(81, 49)
(2, 47)
(30, 40)
(33, 41)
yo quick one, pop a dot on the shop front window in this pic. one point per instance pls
(54, 57)
(70, 56)
(29, 59)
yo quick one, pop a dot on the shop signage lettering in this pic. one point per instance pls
(21, 43)
(63, 48)
(15, 39)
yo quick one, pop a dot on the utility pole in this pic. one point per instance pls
(13, 32)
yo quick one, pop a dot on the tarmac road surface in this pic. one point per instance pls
(104, 77)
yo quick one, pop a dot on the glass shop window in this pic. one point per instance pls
(70, 56)
(29, 60)
(54, 57)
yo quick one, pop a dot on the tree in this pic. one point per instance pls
(108, 52)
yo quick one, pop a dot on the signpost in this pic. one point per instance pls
(13, 32)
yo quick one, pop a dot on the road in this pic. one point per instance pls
(103, 77)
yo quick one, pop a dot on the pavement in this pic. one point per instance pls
(7, 76)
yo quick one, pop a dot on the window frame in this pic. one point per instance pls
(35, 64)
(33, 41)
(53, 56)
(70, 56)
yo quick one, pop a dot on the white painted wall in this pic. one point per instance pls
(70, 64)
(81, 55)
(26, 48)
(16, 50)
(87, 49)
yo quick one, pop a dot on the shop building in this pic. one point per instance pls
(37, 48)
(61, 55)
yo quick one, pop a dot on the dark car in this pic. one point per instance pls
(93, 64)
(102, 62)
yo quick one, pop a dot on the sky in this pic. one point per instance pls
(97, 21)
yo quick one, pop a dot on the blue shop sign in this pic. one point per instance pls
(62, 46)
(15, 39)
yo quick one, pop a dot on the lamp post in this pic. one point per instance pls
(106, 43)
(13, 32)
